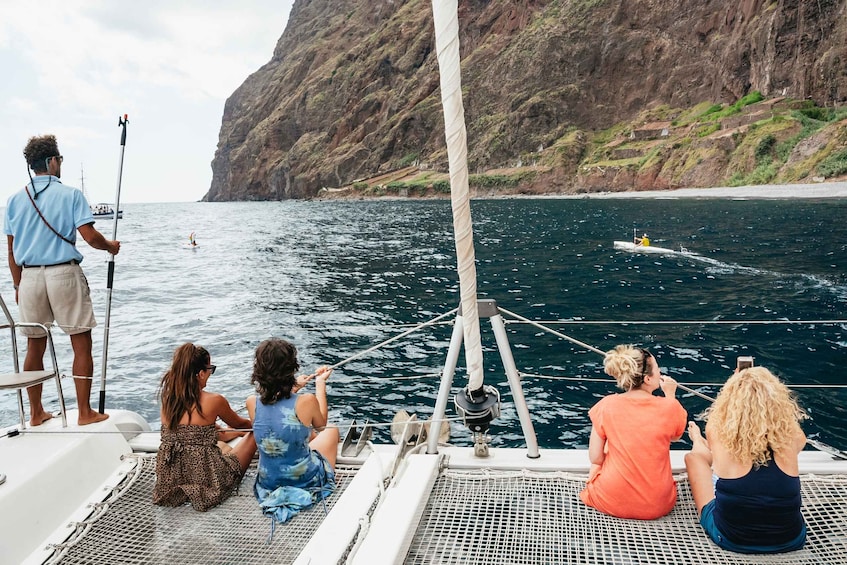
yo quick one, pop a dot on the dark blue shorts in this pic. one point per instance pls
(707, 520)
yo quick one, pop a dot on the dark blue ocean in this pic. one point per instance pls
(337, 277)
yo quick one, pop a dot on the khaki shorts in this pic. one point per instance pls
(59, 293)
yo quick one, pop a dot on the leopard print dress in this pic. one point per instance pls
(191, 467)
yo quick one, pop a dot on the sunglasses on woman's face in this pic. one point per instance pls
(212, 369)
(645, 363)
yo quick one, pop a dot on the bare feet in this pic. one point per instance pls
(38, 419)
(91, 418)
(699, 443)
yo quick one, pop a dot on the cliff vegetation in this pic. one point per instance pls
(561, 96)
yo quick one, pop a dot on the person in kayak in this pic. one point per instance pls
(643, 240)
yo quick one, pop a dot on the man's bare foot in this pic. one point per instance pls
(699, 443)
(37, 420)
(92, 418)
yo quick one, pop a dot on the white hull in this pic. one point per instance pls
(53, 476)
(105, 211)
(634, 248)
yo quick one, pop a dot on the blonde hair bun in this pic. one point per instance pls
(623, 363)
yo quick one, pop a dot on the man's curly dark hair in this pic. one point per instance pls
(38, 149)
(274, 370)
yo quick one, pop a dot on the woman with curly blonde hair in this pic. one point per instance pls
(630, 439)
(744, 474)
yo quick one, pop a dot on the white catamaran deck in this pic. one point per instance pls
(128, 528)
(439, 509)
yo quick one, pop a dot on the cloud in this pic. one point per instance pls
(170, 65)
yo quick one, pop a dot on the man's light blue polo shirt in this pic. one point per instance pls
(63, 206)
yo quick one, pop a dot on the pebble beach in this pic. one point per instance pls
(777, 191)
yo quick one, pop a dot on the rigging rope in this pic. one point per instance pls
(592, 348)
(607, 381)
(395, 338)
(518, 319)
(349, 327)
(676, 322)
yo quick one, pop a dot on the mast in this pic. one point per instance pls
(445, 14)
(82, 182)
(477, 403)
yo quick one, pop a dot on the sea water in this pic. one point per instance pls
(337, 277)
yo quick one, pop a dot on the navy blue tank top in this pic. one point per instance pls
(760, 508)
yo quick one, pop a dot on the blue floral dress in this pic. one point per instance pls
(291, 476)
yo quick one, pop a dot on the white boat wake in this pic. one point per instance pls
(717, 266)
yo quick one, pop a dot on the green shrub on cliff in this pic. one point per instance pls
(408, 159)
(492, 181)
(500, 181)
(810, 126)
(751, 98)
(763, 174)
(441, 186)
(713, 109)
(834, 165)
(764, 149)
(708, 129)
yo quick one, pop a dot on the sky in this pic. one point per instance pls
(72, 68)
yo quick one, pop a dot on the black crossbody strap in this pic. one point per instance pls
(43, 219)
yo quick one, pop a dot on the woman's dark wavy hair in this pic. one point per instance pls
(180, 386)
(38, 149)
(274, 370)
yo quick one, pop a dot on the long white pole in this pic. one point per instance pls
(111, 274)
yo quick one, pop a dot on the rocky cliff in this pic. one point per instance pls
(352, 88)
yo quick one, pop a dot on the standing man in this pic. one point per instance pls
(41, 224)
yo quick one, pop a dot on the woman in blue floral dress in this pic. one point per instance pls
(297, 450)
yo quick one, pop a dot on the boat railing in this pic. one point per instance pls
(477, 421)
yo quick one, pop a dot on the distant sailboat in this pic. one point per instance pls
(101, 209)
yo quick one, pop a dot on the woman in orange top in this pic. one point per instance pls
(631, 433)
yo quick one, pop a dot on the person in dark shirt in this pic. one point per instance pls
(744, 474)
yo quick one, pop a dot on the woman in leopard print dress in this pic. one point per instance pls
(192, 464)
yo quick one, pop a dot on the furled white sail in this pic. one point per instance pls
(446, 18)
